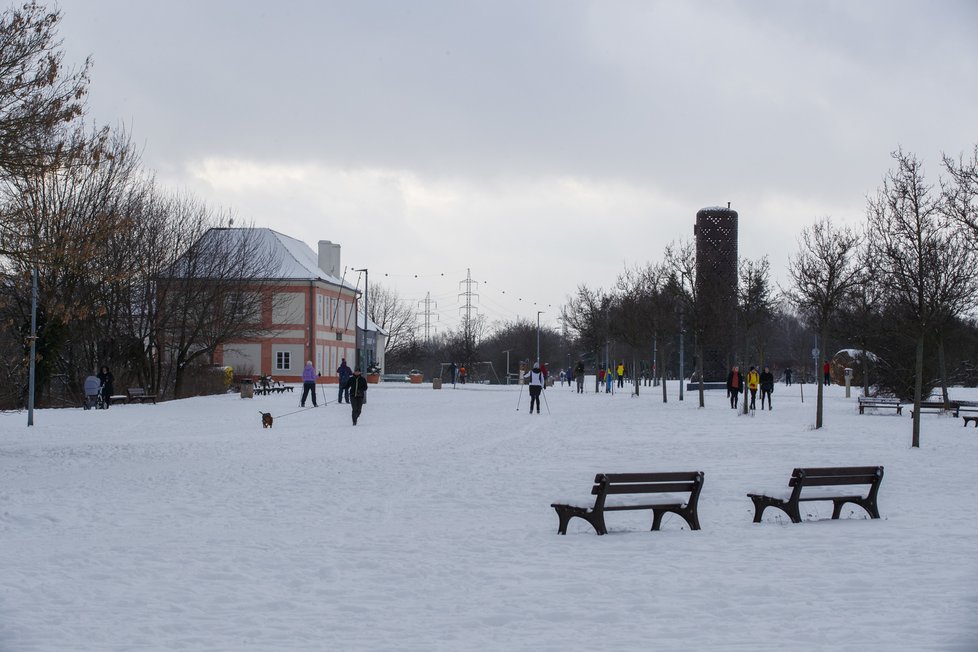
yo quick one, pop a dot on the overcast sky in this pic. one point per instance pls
(543, 145)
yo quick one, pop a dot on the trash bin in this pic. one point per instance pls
(247, 388)
(436, 383)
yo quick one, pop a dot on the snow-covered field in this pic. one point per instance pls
(186, 526)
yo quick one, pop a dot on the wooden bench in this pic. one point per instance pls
(116, 399)
(824, 484)
(879, 402)
(139, 394)
(931, 406)
(964, 406)
(967, 419)
(634, 491)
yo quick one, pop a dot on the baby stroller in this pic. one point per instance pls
(93, 393)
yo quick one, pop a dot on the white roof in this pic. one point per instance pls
(371, 326)
(294, 260)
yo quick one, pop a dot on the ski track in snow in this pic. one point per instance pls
(186, 526)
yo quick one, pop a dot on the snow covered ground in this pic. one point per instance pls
(186, 526)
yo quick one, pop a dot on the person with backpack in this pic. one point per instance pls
(536, 385)
(356, 388)
(767, 387)
(343, 371)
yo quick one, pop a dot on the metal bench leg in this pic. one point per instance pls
(759, 506)
(564, 518)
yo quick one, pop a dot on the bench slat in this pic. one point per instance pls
(646, 477)
(831, 481)
(665, 487)
(836, 470)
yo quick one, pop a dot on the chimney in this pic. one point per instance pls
(329, 258)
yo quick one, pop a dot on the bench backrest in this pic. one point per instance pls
(137, 391)
(879, 400)
(606, 484)
(837, 475)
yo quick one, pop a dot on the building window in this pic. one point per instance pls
(283, 360)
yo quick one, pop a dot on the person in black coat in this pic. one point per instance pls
(767, 386)
(357, 386)
(735, 385)
(108, 388)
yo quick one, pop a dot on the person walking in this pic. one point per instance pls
(621, 375)
(767, 387)
(309, 376)
(344, 372)
(536, 385)
(609, 380)
(787, 376)
(826, 373)
(753, 381)
(107, 381)
(357, 392)
(461, 375)
(579, 377)
(735, 385)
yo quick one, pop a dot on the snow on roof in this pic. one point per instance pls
(294, 259)
(371, 326)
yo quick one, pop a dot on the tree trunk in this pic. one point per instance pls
(865, 371)
(818, 376)
(699, 373)
(635, 376)
(662, 374)
(918, 389)
(942, 362)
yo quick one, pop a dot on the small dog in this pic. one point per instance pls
(266, 419)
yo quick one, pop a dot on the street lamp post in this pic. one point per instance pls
(507, 364)
(682, 354)
(539, 312)
(366, 306)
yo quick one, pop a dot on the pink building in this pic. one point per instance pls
(308, 310)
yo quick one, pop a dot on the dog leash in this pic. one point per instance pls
(297, 411)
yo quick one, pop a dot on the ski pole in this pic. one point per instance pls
(520, 398)
(543, 391)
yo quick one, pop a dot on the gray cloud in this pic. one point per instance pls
(788, 109)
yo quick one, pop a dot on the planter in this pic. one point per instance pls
(373, 379)
(416, 379)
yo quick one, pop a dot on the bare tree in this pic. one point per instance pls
(756, 305)
(823, 272)
(63, 219)
(38, 95)
(928, 266)
(391, 313)
(681, 260)
(633, 311)
(959, 193)
(213, 293)
(588, 314)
